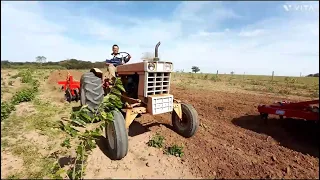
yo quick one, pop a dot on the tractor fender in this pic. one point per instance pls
(97, 72)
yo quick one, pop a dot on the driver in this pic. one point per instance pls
(115, 60)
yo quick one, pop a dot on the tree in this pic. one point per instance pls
(313, 75)
(41, 59)
(195, 69)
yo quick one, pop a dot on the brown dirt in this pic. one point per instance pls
(25, 109)
(51, 87)
(9, 90)
(10, 164)
(233, 142)
(61, 75)
(141, 162)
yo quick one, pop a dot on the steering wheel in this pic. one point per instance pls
(124, 53)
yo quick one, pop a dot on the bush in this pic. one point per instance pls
(25, 95)
(175, 150)
(26, 77)
(6, 109)
(215, 78)
(156, 141)
(35, 85)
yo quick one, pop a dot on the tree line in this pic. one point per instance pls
(64, 64)
(313, 75)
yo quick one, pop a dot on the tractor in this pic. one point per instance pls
(147, 86)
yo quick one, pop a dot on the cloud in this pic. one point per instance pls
(253, 33)
(212, 35)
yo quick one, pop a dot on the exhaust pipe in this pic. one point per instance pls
(156, 58)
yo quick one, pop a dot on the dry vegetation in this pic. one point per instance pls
(32, 107)
(278, 85)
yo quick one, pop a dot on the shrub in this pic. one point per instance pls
(25, 95)
(156, 141)
(175, 150)
(215, 78)
(6, 109)
(26, 77)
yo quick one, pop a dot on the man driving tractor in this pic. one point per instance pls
(115, 60)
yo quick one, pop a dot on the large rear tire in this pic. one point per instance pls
(189, 123)
(117, 137)
(91, 91)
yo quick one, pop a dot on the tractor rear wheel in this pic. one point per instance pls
(91, 91)
(188, 125)
(117, 137)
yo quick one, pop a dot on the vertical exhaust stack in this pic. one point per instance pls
(156, 57)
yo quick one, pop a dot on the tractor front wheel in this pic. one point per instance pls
(117, 137)
(188, 125)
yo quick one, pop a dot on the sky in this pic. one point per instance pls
(244, 37)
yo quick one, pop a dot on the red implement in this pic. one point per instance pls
(303, 110)
(71, 87)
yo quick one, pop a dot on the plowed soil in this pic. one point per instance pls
(231, 142)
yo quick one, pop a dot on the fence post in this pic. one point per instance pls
(272, 75)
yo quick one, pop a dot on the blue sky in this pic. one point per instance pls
(250, 37)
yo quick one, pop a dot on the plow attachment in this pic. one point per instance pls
(71, 88)
(303, 110)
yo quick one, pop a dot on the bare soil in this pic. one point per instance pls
(25, 108)
(61, 75)
(10, 164)
(231, 142)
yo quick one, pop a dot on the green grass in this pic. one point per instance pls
(43, 120)
(38, 165)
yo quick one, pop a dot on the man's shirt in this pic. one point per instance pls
(114, 59)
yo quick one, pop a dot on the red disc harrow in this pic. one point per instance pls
(302, 110)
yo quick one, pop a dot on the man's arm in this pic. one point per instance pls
(127, 59)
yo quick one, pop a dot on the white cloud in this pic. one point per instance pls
(253, 33)
(287, 45)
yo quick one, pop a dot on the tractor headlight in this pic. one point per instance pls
(168, 67)
(151, 66)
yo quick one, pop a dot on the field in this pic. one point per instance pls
(231, 142)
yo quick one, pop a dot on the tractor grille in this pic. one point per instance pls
(158, 83)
